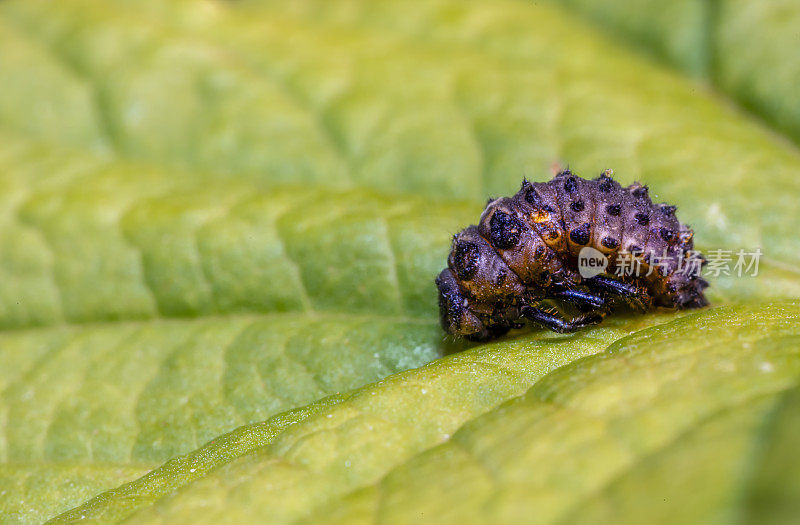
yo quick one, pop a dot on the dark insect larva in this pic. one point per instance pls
(589, 246)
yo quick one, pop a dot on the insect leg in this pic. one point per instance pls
(635, 297)
(559, 324)
(580, 298)
(610, 285)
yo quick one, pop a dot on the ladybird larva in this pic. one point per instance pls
(523, 256)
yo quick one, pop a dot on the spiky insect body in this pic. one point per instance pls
(523, 255)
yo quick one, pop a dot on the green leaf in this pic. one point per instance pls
(721, 41)
(220, 228)
(774, 496)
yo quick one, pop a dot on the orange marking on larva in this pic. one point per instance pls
(539, 216)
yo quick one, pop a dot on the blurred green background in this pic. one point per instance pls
(220, 222)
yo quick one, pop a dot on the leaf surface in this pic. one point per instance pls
(220, 228)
